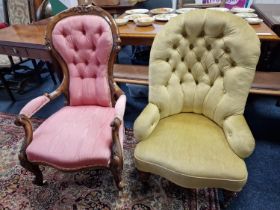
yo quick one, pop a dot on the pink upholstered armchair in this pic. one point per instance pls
(88, 132)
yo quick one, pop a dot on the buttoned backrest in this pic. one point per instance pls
(203, 62)
(85, 42)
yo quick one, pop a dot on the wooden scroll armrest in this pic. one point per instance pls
(23, 119)
(117, 132)
(36, 104)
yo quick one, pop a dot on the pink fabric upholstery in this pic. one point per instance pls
(120, 107)
(85, 43)
(34, 105)
(73, 137)
(119, 113)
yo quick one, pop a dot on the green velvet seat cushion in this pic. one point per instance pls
(192, 151)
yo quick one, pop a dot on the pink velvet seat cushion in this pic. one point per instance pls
(74, 137)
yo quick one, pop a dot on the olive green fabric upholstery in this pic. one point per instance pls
(180, 149)
(202, 62)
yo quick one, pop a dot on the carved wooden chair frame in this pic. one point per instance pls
(116, 163)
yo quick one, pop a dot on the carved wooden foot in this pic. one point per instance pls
(116, 169)
(34, 168)
(228, 197)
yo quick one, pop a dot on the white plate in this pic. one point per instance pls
(164, 17)
(136, 11)
(121, 21)
(238, 9)
(247, 15)
(134, 16)
(185, 10)
(254, 21)
(161, 11)
(222, 9)
(144, 21)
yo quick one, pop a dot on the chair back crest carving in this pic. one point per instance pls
(84, 41)
(203, 62)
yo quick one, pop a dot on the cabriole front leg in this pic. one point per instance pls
(33, 168)
(24, 121)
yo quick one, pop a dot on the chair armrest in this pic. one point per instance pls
(120, 107)
(239, 135)
(34, 106)
(146, 122)
(117, 126)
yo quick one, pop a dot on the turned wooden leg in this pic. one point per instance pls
(34, 168)
(116, 169)
(228, 196)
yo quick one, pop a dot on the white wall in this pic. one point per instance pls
(1, 12)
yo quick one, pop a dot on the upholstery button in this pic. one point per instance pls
(198, 59)
(206, 71)
(208, 47)
(196, 82)
(220, 35)
(222, 73)
(216, 60)
(202, 34)
(100, 31)
(94, 76)
(174, 46)
(191, 46)
(83, 31)
(173, 69)
(167, 60)
(75, 48)
(184, 34)
(227, 50)
(86, 62)
(182, 59)
(233, 64)
(74, 62)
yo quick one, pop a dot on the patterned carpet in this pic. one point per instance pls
(89, 189)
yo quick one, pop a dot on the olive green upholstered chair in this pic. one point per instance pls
(193, 131)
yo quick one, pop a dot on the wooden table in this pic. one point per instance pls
(270, 13)
(134, 35)
(28, 40)
(121, 7)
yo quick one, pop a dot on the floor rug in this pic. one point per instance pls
(89, 189)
